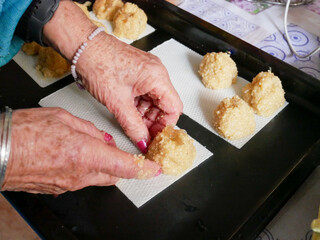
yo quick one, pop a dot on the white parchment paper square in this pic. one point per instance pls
(199, 102)
(81, 104)
(28, 63)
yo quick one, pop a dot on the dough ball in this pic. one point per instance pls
(265, 94)
(234, 118)
(218, 70)
(129, 22)
(106, 9)
(51, 63)
(84, 8)
(173, 150)
(31, 48)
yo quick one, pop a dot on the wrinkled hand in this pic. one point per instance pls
(133, 84)
(54, 152)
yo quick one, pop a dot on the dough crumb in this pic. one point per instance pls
(173, 150)
(218, 70)
(265, 94)
(234, 118)
(106, 9)
(51, 63)
(129, 21)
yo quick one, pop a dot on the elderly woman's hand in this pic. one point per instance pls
(54, 152)
(134, 85)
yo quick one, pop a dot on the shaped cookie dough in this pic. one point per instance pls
(218, 70)
(129, 22)
(234, 118)
(106, 9)
(173, 150)
(51, 63)
(265, 94)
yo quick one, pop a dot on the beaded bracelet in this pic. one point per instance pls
(5, 141)
(78, 54)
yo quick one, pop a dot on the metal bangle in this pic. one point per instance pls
(5, 141)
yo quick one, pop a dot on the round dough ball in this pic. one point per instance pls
(173, 150)
(106, 9)
(218, 70)
(234, 118)
(129, 22)
(265, 94)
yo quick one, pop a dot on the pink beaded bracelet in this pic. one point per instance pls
(78, 54)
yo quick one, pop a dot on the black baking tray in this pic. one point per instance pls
(232, 195)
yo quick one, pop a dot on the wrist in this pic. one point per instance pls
(68, 29)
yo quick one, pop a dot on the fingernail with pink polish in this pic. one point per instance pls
(142, 145)
(107, 137)
(159, 172)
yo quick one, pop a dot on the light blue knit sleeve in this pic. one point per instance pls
(10, 14)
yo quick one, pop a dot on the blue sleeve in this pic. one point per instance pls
(10, 14)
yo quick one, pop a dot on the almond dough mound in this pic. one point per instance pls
(51, 63)
(173, 150)
(106, 9)
(265, 94)
(129, 22)
(218, 70)
(234, 118)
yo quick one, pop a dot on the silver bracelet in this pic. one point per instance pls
(5, 141)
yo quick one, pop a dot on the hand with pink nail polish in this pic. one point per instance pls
(53, 152)
(134, 85)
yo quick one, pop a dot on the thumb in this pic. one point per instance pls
(115, 162)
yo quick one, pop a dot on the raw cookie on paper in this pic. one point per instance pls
(265, 94)
(234, 119)
(129, 22)
(106, 9)
(218, 70)
(173, 150)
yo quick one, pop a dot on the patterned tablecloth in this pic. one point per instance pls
(262, 25)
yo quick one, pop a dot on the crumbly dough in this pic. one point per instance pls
(173, 149)
(31, 48)
(51, 63)
(265, 94)
(106, 9)
(129, 22)
(84, 8)
(234, 118)
(218, 70)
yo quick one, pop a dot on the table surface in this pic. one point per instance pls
(233, 195)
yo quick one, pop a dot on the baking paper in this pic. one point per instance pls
(199, 102)
(81, 104)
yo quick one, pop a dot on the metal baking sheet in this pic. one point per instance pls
(232, 195)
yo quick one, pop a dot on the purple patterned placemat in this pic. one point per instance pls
(220, 17)
(250, 7)
(302, 41)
